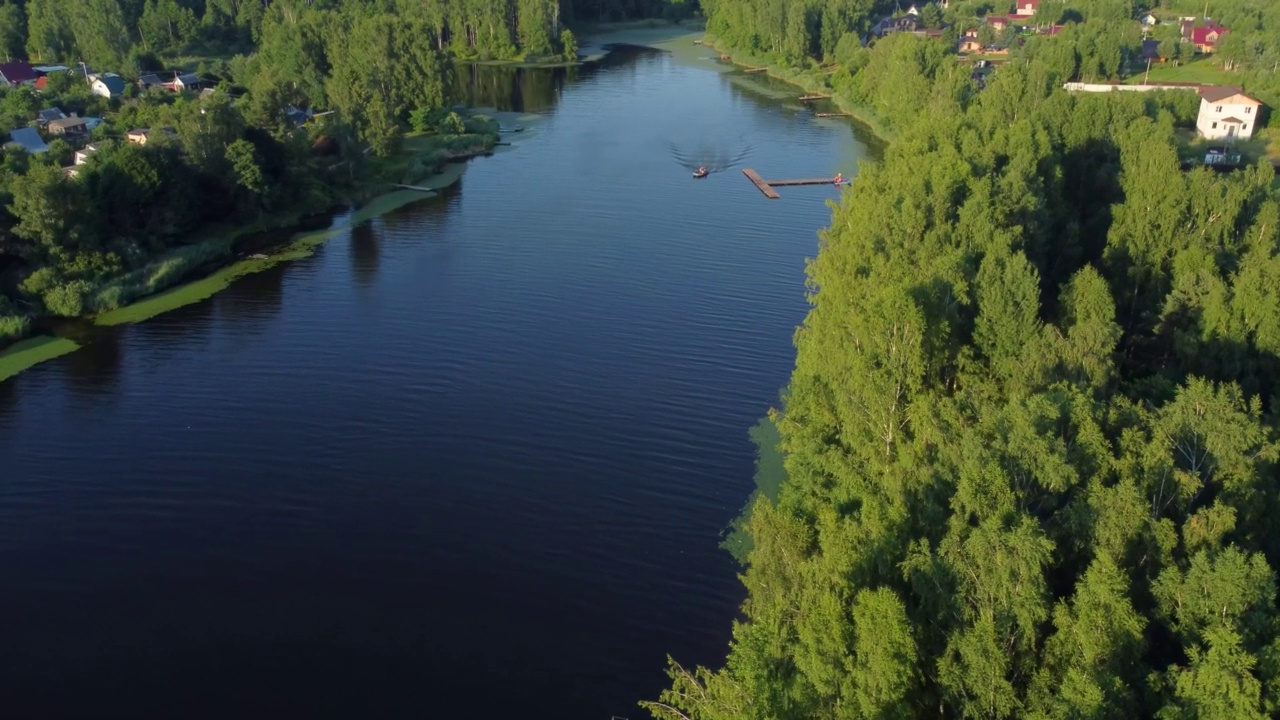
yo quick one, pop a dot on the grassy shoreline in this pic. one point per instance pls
(810, 81)
(216, 258)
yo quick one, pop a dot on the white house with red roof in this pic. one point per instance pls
(1226, 112)
(1026, 8)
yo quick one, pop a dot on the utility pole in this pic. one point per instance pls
(1146, 78)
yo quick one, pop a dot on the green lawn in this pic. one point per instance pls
(1202, 70)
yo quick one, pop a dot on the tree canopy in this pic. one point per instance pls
(1031, 435)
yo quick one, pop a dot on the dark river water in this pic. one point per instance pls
(471, 459)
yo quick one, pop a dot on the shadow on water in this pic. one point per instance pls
(365, 252)
(252, 301)
(94, 370)
(178, 325)
(9, 418)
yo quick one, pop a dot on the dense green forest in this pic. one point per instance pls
(131, 219)
(1031, 436)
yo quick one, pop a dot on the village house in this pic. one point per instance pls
(906, 23)
(70, 128)
(1147, 20)
(999, 22)
(183, 82)
(141, 136)
(1204, 37)
(1226, 112)
(107, 85)
(82, 155)
(17, 73)
(970, 45)
(1026, 8)
(44, 117)
(148, 81)
(28, 139)
(1151, 51)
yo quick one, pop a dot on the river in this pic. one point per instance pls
(471, 459)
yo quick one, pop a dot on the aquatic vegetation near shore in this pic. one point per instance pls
(33, 351)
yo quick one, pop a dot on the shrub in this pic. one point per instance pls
(13, 323)
(67, 299)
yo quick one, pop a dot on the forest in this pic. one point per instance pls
(1030, 441)
(135, 218)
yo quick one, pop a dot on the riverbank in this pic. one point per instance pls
(221, 255)
(810, 81)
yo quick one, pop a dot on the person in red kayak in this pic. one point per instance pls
(839, 178)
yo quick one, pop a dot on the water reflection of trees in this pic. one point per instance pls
(512, 89)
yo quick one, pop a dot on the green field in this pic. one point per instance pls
(1202, 70)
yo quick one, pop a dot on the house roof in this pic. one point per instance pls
(187, 79)
(1218, 93)
(41, 82)
(1029, 3)
(46, 69)
(48, 114)
(1150, 49)
(17, 72)
(150, 80)
(67, 123)
(138, 131)
(1200, 35)
(993, 19)
(28, 139)
(1053, 30)
(113, 83)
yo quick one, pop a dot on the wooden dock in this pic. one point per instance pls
(767, 186)
(756, 70)
(803, 181)
(759, 182)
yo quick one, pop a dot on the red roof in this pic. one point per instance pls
(1033, 4)
(41, 82)
(993, 19)
(1054, 29)
(1200, 35)
(17, 72)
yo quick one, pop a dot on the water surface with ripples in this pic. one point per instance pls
(472, 459)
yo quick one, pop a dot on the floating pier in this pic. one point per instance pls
(767, 186)
(759, 182)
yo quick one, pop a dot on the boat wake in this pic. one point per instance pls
(713, 156)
